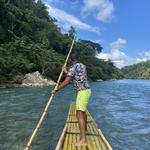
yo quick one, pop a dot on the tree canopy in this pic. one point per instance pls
(137, 71)
(31, 40)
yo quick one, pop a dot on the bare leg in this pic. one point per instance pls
(82, 124)
(85, 118)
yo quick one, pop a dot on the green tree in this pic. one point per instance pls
(31, 40)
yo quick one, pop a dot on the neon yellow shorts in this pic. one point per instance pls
(82, 100)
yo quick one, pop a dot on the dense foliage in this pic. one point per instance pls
(137, 71)
(30, 40)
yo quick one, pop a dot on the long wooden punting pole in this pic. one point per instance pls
(49, 101)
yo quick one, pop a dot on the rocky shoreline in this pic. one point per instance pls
(34, 79)
(10, 85)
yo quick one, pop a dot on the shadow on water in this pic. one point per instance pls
(120, 108)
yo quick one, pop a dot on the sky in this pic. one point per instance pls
(122, 27)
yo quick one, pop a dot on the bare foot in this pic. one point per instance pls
(80, 143)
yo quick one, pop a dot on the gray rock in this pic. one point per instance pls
(35, 79)
(99, 80)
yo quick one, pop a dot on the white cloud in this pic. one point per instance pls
(104, 9)
(105, 56)
(119, 43)
(141, 59)
(66, 20)
(97, 41)
(117, 56)
(144, 56)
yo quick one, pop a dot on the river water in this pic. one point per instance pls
(121, 109)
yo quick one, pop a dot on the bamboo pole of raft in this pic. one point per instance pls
(49, 101)
(101, 134)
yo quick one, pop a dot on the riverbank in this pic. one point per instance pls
(34, 79)
(10, 85)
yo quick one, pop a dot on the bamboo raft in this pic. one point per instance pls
(71, 134)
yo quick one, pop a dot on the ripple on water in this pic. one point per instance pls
(120, 108)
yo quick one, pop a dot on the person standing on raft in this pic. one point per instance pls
(78, 74)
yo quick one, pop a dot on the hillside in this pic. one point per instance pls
(137, 71)
(32, 41)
